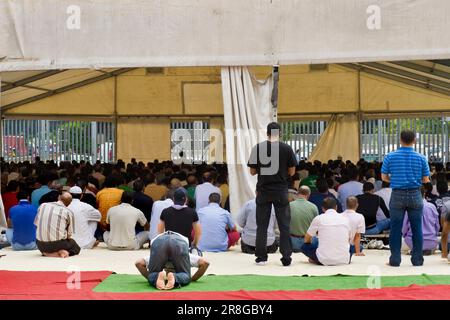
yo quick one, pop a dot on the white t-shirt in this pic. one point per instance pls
(122, 220)
(334, 233)
(85, 220)
(357, 223)
(202, 193)
(158, 207)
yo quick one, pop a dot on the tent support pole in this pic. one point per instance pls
(115, 119)
(274, 98)
(360, 118)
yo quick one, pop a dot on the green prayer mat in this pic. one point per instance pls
(134, 283)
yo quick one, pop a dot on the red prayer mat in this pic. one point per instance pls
(16, 285)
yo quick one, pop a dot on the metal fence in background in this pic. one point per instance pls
(190, 141)
(58, 140)
(381, 136)
(302, 136)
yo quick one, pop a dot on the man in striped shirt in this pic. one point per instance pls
(55, 227)
(406, 170)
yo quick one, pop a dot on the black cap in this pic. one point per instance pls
(180, 196)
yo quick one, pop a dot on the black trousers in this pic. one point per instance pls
(264, 202)
(245, 248)
(50, 247)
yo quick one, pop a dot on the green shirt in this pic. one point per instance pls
(125, 187)
(302, 214)
(310, 182)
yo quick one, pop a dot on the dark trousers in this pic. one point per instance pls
(54, 246)
(264, 202)
(170, 247)
(245, 248)
(411, 202)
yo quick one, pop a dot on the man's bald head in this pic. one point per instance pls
(352, 203)
(65, 198)
(304, 192)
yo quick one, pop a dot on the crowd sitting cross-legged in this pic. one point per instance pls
(326, 212)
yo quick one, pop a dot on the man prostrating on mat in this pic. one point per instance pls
(272, 161)
(169, 265)
(196, 262)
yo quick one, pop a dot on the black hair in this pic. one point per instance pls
(368, 186)
(22, 195)
(127, 197)
(322, 185)
(329, 203)
(407, 136)
(273, 128)
(138, 185)
(12, 186)
(214, 197)
(442, 186)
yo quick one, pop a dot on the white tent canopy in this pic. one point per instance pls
(61, 34)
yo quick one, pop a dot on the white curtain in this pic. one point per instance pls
(3, 223)
(247, 111)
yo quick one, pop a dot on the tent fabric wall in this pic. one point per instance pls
(340, 138)
(247, 111)
(143, 138)
(218, 33)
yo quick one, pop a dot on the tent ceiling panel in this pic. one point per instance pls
(18, 94)
(384, 95)
(67, 78)
(195, 91)
(93, 99)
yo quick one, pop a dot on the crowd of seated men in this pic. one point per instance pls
(62, 209)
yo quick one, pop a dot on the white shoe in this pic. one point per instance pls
(261, 263)
(380, 245)
(372, 244)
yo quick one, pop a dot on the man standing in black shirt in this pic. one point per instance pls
(272, 161)
(368, 207)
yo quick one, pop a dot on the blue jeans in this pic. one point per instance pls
(297, 243)
(170, 247)
(353, 250)
(409, 201)
(381, 226)
(310, 249)
(17, 246)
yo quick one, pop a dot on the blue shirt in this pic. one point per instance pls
(213, 220)
(348, 189)
(317, 199)
(22, 217)
(37, 194)
(406, 168)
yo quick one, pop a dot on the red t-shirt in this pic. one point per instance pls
(9, 201)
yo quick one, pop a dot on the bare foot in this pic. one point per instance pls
(96, 244)
(51, 255)
(160, 282)
(312, 261)
(170, 281)
(63, 253)
(360, 254)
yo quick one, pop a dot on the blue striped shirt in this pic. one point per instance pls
(406, 168)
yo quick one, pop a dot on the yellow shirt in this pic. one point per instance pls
(106, 199)
(156, 192)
